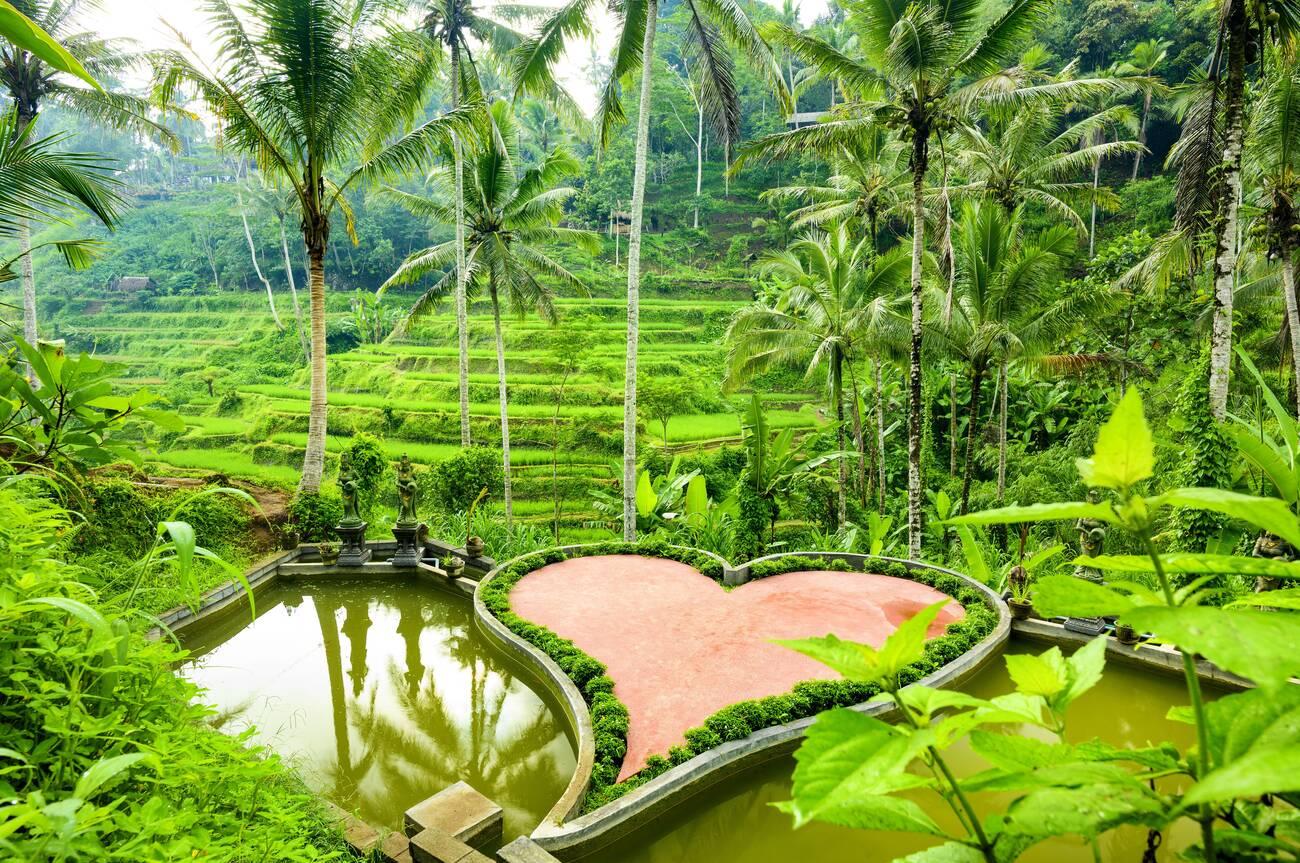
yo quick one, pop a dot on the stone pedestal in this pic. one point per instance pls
(1086, 625)
(352, 544)
(408, 551)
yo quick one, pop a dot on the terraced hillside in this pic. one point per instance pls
(242, 387)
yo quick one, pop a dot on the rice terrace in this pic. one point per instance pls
(683, 431)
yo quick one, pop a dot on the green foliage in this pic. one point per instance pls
(315, 515)
(456, 482)
(1206, 459)
(369, 468)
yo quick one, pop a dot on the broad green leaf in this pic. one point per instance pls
(182, 535)
(1086, 811)
(1288, 599)
(1125, 453)
(1274, 466)
(976, 567)
(645, 495)
(697, 497)
(1072, 774)
(1263, 770)
(1238, 722)
(1187, 563)
(102, 771)
(112, 404)
(1067, 596)
(1068, 511)
(948, 852)
(1265, 513)
(19, 29)
(1044, 675)
(1086, 665)
(906, 644)
(165, 420)
(1257, 645)
(851, 659)
(87, 615)
(1019, 752)
(846, 761)
(926, 701)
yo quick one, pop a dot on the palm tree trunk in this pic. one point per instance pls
(1292, 314)
(952, 425)
(1002, 429)
(462, 313)
(313, 462)
(1142, 134)
(504, 403)
(293, 291)
(699, 158)
(972, 423)
(1092, 220)
(634, 273)
(30, 332)
(880, 436)
(837, 394)
(859, 443)
(257, 266)
(1225, 258)
(915, 482)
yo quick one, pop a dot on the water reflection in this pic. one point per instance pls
(381, 694)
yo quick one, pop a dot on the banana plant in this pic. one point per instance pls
(1276, 458)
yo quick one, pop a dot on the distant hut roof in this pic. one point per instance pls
(133, 283)
(804, 118)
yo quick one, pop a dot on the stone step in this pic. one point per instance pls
(458, 811)
(434, 846)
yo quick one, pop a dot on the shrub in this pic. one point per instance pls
(457, 481)
(315, 515)
(369, 465)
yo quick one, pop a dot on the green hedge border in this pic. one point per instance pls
(609, 716)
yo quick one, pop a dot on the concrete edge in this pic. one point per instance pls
(584, 834)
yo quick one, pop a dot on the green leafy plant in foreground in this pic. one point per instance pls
(1235, 782)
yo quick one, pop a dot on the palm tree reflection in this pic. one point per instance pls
(430, 704)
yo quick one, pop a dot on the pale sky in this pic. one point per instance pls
(142, 20)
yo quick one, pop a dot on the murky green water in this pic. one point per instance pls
(382, 693)
(735, 822)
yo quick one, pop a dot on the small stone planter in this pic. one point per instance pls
(329, 553)
(474, 546)
(1020, 608)
(453, 566)
(1126, 634)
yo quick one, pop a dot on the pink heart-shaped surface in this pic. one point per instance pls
(680, 648)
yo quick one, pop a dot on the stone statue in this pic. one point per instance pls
(407, 492)
(1273, 548)
(348, 488)
(1092, 539)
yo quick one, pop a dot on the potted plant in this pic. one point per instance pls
(1018, 583)
(288, 536)
(328, 551)
(1126, 634)
(452, 565)
(474, 544)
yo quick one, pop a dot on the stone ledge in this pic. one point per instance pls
(524, 850)
(460, 812)
(434, 846)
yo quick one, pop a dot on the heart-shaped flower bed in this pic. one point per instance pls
(680, 648)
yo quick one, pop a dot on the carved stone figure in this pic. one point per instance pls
(407, 492)
(1274, 548)
(1092, 539)
(348, 488)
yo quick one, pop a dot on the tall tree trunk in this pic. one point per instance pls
(859, 443)
(1292, 314)
(462, 313)
(952, 425)
(313, 462)
(837, 394)
(293, 291)
(504, 404)
(257, 266)
(915, 482)
(30, 330)
(880, 435)
(1225, 258)
(699, 158)
(1092, 219)
(1142, 135)
(1003, 384)
(634, 273)
(972, 423)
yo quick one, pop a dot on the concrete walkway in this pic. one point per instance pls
(680, 648)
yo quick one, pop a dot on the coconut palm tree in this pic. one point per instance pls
(1144, 60)
(1273, 163)
(1008, 306)
(314, 90)
(927, 64)
(32, 80)
(834, 309)
(509, 220)
(711, 24)
(452, 24)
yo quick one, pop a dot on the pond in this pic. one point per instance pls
(382, 693)
(736, 823)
